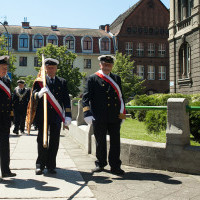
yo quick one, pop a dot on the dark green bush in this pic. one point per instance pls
(156, 120)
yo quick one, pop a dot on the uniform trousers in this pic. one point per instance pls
(19, 117)
(101, 129)
(47, 156)
(4, 149)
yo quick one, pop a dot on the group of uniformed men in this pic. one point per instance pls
(103, 107)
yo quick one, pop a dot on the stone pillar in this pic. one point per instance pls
(80, 118)
(178, 130)
(74, 109)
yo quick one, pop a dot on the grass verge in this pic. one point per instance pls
(133, 129)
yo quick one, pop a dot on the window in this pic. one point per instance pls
(184, 9)
(161, 50)
(151, 49)
(105, 43)
(87, 43)
(184, 61)
(38, 41)
(129, 48)
(87, 63)
(162, 73)
(140, 71)
(69, 41)
(70, 63)
(36, 64)
(52, 39)
(8, 39)
(23, 61)
(151, 72)
(140, 49)
(23, 41)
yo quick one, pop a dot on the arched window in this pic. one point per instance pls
(23, 41)
(87, 43)
(70, 42)
(184, 61)
(8, 39)
(105, 44)
(52, 39)
(38, 41)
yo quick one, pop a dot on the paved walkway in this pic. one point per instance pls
(74, 179)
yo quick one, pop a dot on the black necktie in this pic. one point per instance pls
(52, 81)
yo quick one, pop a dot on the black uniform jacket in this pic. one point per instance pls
(5, 107)
(100, 99)
(20, 99)
(60, 92)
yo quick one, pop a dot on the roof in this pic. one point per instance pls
(59, 31)
(116, 25)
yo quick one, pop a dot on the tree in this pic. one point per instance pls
(131, 83)
(66, 70)
(12, 60)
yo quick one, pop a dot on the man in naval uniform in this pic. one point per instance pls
(58, 88)
(20, 99)
(5, 121)
(104, 108)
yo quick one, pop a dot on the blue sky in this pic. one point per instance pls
(65, 13)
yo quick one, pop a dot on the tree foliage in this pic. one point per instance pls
(12, 60)
(66, 71)
(131, 83)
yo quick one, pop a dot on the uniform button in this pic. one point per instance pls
(108, 97)
(115, 97)
(2, 104)
(7, 104)
(2, 111)
(107, 91)
(108, 105)
(103, 85)
(7, 111)
(115, 104)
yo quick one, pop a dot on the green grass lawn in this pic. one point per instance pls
(133, 129)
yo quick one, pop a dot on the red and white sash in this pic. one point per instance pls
(5, 88)
(55, 104)
(109, 80)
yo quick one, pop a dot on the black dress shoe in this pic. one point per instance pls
(52, 171)
(117, 171)
(16, 132)
(38, 171)
(10, 174)
(97, 169)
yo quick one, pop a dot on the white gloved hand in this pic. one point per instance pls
(68, 121)
(122, 121)
(42, 91)
(89, 119)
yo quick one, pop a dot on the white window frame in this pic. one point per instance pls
(140, 71)
(100, 46)
(82, 42)
(161, 50)
(140, 49)
(151, 49)
(33, 42)
(9, 39)
(129, 48)
(23, 48)
(64, 42)
(161, 72)
(151, 72)
(50, 36)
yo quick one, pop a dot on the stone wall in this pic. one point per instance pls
(174, 155)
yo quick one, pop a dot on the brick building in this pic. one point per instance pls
(88, 44)
(142, 32)
(184, 38)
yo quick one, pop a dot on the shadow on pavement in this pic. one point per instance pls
(28, 183)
